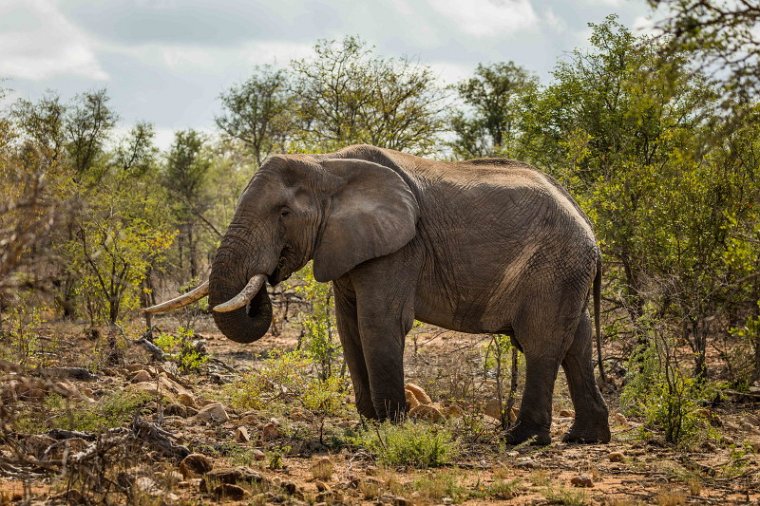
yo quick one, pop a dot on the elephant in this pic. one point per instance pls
(481, 246)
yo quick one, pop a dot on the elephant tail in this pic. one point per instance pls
(598, 316)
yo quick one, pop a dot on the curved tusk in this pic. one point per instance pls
(244, 297)
(178, 302)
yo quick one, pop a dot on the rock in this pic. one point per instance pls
(186, 400)
(525, 463)
(299, 415)
(241, 435)
(322, 486)
(141, 376)
(258, 455)
(620, 419)
(289, 487)
(270, 431)
(452, 411)
(426, 412)
(195, 464)
(175, 410)
(616, 457)
(322, 469)
(421, 396)
(231, 475)
(213, 412)
(145, 484)
(401, 501)
(582, 481)
(229, 491)
(153, 388)
(411, 400)
(566, 413)
(447, 500)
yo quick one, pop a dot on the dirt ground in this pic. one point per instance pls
(262, 456)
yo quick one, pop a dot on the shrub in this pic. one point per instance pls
(419, 445)
(658, 391)
(181, 349)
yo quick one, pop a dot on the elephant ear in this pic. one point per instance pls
(372, 213)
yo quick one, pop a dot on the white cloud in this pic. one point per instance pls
(42, 44)
(606, 3)
(180, 58)
(644, 25)
(451, 72)
(487, 18)
(554, 22)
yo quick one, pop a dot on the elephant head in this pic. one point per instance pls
(338, 212)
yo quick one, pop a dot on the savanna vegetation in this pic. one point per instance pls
(656, 137)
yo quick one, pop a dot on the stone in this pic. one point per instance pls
(270, 431)
(258, 455)
(620, 418)
(566, 413)
(231, 475)
(322, 486)
(525, 463)
(582, 481)
(616, 457)
(175, 410)
(141, 376)
(229, 491)
(195, 464)
(417, 391)
(186, 400)
(426, 412)
(241, 435)
(213, 412)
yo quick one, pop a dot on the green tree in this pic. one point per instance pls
(722, 35)
(633, 137)
(495, 98)
(185, 177)
(258, 112)
(346, 94)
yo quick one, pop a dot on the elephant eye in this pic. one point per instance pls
(284, 212)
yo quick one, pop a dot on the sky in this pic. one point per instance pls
(167, 61)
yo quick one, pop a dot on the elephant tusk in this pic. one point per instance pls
(181, 301)
(244, 297)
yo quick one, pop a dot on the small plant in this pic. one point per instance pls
(182, 349)
(276, 457)
(322, 469)
(282, 378)
(566, 496)
(434, 487)
(668, 400)
(419, 445)
(18, 333)
(319, 326)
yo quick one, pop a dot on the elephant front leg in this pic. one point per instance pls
(385, 310)
(384, 358)
(348, 330)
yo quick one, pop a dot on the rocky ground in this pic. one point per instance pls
(98, 419)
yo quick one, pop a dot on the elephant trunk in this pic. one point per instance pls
(228, 277)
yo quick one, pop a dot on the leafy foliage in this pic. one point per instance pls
(419, 445)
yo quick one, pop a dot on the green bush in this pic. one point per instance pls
(181, 349)
(668, 401)
(419, 445)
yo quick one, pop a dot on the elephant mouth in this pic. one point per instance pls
(280, 273)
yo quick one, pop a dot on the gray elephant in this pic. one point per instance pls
(483, 246)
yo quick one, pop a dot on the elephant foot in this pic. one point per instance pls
(588, 433)
(521, 433)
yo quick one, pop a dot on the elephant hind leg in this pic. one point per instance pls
(591, 417)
